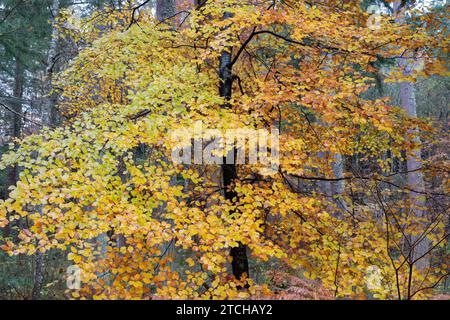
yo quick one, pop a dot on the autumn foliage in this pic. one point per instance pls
(103, 187)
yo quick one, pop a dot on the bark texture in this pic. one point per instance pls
(51, 120)
(239, 263)
(165, 9)
(415, 247)
(52, 56)
(12, 173)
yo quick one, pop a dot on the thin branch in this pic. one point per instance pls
(429, 287)
(23, 116)
(134, 12)
(10, 12)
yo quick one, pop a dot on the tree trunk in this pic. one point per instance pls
(239, 263)
(52, 98)
(38, 275)
(18, 94)
(51, 120)
(338, 187)
(334, 189)
(12, 174)
(165, 9)
(415, 178)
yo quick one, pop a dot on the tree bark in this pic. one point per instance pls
(52, 98)
(415, 177)
(12, 174)
(38, 275)
(51, 120)
(165, 9)
(239, 263)
(18, 94)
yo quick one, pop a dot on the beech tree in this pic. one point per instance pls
(300, 67)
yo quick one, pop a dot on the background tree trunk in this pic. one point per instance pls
(165, 9)
(52, 120)
(38, 275)
(52, 98)
(12, 174)
(415, 177)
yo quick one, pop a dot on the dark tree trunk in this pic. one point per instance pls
(17, 93)
(38, 275)
(52, 120)
(239, 263)
(12, 174)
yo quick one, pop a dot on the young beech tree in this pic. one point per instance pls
(299, 66)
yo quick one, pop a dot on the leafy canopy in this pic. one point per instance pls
(107, 174)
